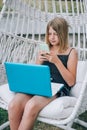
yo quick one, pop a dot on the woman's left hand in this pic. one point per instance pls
(51, 57)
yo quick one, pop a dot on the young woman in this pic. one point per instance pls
(62, 60)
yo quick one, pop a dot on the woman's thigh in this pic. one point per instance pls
(41, 101)
(21, 99)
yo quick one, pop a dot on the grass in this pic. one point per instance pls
(0, 5)
(39, 125)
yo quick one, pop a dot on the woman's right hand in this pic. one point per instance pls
(41, 57)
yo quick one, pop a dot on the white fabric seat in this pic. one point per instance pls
(81, 70)
(60, 108)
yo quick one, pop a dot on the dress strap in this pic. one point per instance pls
(70, 51)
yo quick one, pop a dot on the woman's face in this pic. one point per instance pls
(53, 37)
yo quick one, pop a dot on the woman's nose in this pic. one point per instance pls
(52, 36)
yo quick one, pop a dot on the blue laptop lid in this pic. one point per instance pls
(29, 78)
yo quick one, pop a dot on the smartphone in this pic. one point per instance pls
(44, 47)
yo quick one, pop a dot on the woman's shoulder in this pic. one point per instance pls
(73, 53)
(71, 50)
(68, 51)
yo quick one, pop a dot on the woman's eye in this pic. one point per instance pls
(55, 34)
(49, 33)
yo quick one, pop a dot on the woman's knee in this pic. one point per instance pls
(13, 106)
(32, 108)
(18, 103)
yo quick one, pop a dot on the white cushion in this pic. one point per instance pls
(81, 70)
(60, 108)
(75, 91)
(6, 94)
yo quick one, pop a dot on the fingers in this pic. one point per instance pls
(50, 58)
(45, 56)
(42, 57)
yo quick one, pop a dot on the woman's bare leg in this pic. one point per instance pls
(32, 108)
(16, 108)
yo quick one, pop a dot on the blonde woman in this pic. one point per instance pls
(62, 60)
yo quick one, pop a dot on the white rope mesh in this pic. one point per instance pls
(28, 19)
(18, 49)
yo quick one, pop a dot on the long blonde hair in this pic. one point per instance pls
(60, 25)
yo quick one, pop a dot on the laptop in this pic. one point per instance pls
(30, 79)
